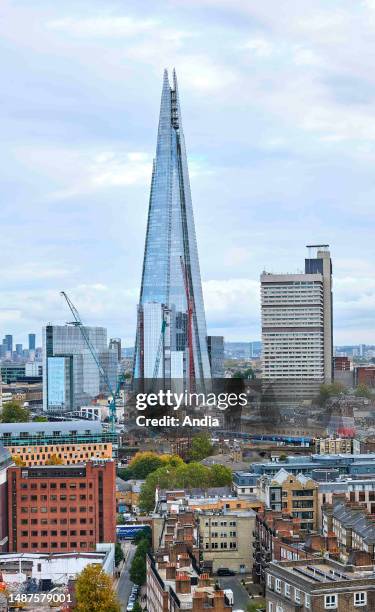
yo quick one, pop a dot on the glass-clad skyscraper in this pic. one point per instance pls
(171, 337)
(71, 377)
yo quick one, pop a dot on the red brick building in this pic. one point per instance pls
(365, 375)
(61, 508)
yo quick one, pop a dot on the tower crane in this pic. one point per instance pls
(114, 394)
(190, 310)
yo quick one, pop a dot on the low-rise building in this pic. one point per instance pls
(277, 537)
(296, 496)
(174, 581)
(39, 434)
(353, 527)
(316, 585)
(226, 540)
(245, 483)
(337, 446)
(214, 498)
(59, 567)
(358, 490)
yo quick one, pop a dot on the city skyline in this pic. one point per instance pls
(280, 150)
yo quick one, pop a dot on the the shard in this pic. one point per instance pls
(171, 340)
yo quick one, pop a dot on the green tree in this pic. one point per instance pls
(138, 570)
(258, 604)
(363, 391)
(119, 555)
(40, 419)
(221, 476)
(185, 476)
(13, 412)
(330, 390)
(137, 607)
(94, 591)
(120, 519)
(201, 447)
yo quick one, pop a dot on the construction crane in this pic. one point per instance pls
(159, 352)
(190, 310)
(78, 323)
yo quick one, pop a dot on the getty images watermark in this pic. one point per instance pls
(184, 401)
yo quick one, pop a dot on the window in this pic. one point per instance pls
(307, 600)
(330, 602)
(270, 606)
(360, 598)
(269, 581)
(287, 589)
(297, 595)
(278, 585)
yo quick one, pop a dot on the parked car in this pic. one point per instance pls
(225, 571)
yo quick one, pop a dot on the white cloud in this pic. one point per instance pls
(102, 26)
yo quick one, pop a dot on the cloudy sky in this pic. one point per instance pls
(278, 103)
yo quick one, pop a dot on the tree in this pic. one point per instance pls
(144, 463)
(119, 554)
(18, 461)
(363, 391)
(201, 447)
(94, 591)
(40, 419)
(138, 570)
(258, 604)
(120, 520)
(54, 460)
(137, 607)
(330, 390)
(185, 476)
(13, 412)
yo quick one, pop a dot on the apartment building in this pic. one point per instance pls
(337, 446)
(278, 537)
(296, 496)
(356, 490)
(174, 580)
(215, 498)
(5, 463)
(226, 540)
(317, 585)
(353, 527)
(61, 508)
(296, 314)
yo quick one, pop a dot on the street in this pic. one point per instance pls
(240, 595)
(124, 583)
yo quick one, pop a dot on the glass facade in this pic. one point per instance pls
(171, 267)
(71, 377)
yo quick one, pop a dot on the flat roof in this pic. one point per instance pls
(81, 426)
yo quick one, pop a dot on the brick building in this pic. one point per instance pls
(293, 495)
(353, 527)
(277, 537)
(61, 508)
(174, 581)
(317, 585)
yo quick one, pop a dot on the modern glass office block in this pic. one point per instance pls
(171, 291)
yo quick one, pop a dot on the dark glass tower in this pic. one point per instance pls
(171, 340)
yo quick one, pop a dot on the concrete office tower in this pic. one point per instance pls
(171, 340)
(297, 327)
(71, 378)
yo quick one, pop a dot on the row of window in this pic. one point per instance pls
(231, 534)
(53, 485)
(51, 521)
(52, 449)
(72, 497)
(330, 601)
(223, 545)
(54, 509)
(221, 523)
(54, 533)
(57, 545)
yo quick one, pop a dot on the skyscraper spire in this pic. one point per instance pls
(171, 331)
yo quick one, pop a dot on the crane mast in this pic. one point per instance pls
(90, 346)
